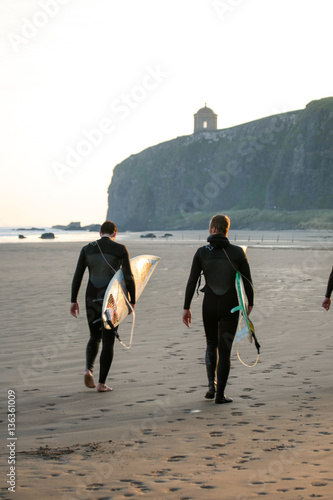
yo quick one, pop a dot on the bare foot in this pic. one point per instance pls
(103, 388)
(89, 379)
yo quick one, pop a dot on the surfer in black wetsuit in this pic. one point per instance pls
(103, 258)
(327, 300)
(218, 261)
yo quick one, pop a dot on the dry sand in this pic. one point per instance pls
(155, 436)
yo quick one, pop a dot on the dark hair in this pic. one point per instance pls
(108, 227)
(221, 223)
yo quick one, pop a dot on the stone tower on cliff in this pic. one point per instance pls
(205, 119)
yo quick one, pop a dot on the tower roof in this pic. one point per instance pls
(206, 111)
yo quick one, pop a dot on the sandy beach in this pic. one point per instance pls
(155, 436)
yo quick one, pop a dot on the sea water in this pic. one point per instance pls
(249, 238)
(33, 235)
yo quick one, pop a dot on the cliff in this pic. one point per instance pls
(279, 163)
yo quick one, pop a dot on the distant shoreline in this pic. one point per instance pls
(299, 238)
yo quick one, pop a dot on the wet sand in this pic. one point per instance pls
(155, 436)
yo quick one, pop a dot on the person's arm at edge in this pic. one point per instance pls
(190, 289)
(128, 277)
(327, 300)
(74, 308)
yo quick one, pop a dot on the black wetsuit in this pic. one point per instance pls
(100, 274)
(329, 285)
(219, 261)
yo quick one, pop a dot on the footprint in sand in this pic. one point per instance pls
(137, 484)
(214, 446)
(176, 458)
(161, 472)
(94, 486)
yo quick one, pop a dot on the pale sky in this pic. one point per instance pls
(86, 83)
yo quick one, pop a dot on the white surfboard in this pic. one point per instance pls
(243, 304)
(115, 306)
(245, 326)
(242, 307)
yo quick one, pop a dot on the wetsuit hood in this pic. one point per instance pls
(218, 240)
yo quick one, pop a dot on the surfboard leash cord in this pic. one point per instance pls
(256, 343)
(116, 334)
(242, 275)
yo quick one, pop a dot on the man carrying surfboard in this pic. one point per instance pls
(103, 258)
(218, 261)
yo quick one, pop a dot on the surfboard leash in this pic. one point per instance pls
(256, 343)
(245, 364)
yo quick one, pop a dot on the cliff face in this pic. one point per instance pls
(282, 162)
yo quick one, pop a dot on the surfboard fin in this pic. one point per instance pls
(256, 342)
